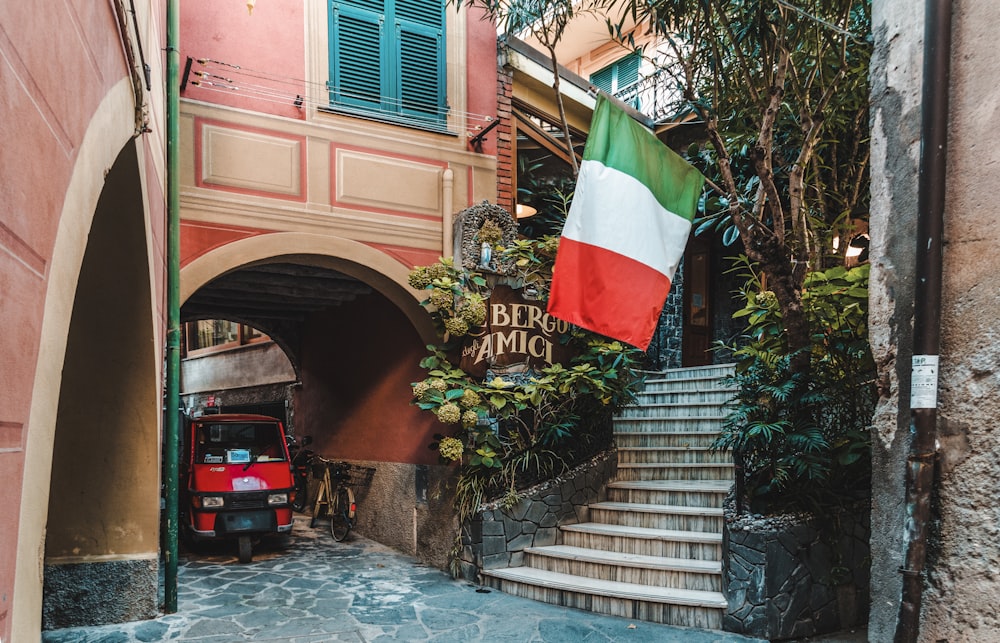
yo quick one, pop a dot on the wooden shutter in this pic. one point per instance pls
(618, 75)
(389, 56)
(421, 57)
(358, 61)
(628, 71)
(604, 79)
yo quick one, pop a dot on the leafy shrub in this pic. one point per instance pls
(800, 440)
(509, 433)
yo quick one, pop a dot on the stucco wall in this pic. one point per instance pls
(69, 109)
(959, 596)
(263, 363)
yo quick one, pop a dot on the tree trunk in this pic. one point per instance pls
(786, 283)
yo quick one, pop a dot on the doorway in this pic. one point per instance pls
(697, 324)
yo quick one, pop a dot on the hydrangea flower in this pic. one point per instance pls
(449, 413)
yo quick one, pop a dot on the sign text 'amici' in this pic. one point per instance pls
(517, 331)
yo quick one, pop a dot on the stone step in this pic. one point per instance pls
(674, 424)
(657, 571)
(665, 439)
(675, 410)
(696, 372)
(674, 517)
(694, 493)
(670, 543)
(675, 471)
(679, 386)
(690, 608)
(680, 454)
(691, 396)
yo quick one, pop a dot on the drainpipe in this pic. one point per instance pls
(171, 445)
(927, 309)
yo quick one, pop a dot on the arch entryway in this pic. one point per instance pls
(89, 511)
(355, 351)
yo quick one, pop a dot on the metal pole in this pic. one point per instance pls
(927, 311)
(171, 432)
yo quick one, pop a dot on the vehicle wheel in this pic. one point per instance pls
(341, 519)
(245, 549)
(301, 494)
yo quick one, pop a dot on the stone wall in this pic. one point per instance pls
(99, 592)
(666, 348)
(498, 537)
(793, 580)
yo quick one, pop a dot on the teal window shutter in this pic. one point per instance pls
(604, 79)
(618, 75)
(358, 61)
(389, 56)
(421, 70)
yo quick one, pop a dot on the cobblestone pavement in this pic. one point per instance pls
(310, 589)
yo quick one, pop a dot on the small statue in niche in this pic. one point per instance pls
(479, 224)
(489, 235)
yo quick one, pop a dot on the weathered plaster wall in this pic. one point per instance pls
(263, 363)
(895, 122)
(960, 603)
(959, 597)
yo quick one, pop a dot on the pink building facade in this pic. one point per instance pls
(334, 141)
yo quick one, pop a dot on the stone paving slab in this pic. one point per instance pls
(309, 589)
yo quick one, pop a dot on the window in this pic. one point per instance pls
(208, 335)
(620, 79)
(387, 58)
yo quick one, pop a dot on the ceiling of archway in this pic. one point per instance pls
(272, 294)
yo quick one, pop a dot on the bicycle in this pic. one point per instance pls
(335, 493)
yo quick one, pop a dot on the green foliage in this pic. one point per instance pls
(517, 431)
(801, 439)
(547, 189)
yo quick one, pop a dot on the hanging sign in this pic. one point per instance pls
(518, 333)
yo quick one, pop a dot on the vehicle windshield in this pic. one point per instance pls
(238, 443)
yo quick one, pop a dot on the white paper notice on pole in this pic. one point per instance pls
(924, 382)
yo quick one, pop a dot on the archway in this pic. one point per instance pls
(107, 151)
(102, 528)
(355, 351)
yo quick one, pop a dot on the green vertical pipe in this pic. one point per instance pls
(171, 446)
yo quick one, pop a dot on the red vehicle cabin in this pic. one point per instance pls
(239, 479)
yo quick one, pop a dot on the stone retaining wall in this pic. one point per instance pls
(798, 580)
(498, 537)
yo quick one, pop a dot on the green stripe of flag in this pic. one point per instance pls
(617, 141)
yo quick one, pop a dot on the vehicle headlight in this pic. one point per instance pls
(211, 502)
(277, 499)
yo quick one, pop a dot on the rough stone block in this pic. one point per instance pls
(496, 561)
(536, 512)
(549, 520)
(493, 528)
(518, 511)
(552, 499)
(519, 543)
(511, 527)
(493, 545)
(545, 537)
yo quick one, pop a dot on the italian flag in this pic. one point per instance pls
(626, 230)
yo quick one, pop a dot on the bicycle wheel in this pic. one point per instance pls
(301, 493)
(341, 519)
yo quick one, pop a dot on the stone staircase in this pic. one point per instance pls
(653, 550)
